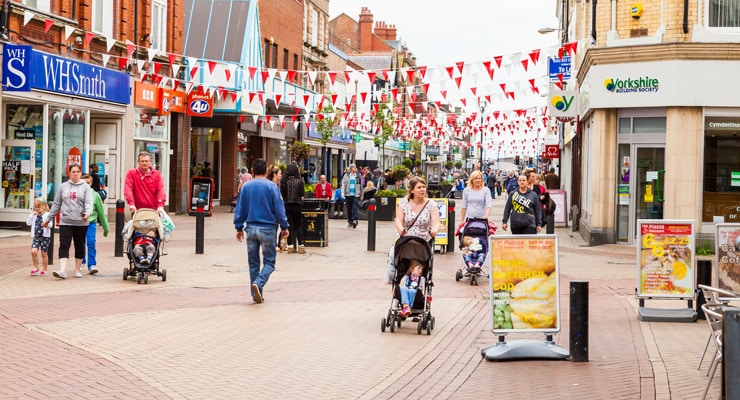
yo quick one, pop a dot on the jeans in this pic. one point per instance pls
(493, 192)
(92, 253)
(258, 236)
(352, 203)
(498, 190)
(407, 296)
(524, 230)
(295, 221)
(472, 257)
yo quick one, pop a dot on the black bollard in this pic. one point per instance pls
(50, 253)
(199, 226)
(451, 226)
(371, 225)
(731, 353)
(703, 277)
(579, 321)
(550, 228)
(120, 222)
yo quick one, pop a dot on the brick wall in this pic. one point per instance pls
(282, 20)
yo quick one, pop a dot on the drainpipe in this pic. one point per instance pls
(685, 16)
(136, 23)
(593, 20)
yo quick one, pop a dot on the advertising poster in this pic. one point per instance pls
(727, 264)
(524, 284)
(441, 239)
(665, 259)
(561, 209)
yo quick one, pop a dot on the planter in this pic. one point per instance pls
(385, 208)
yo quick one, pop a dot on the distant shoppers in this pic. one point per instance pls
(552, 180)
(501, 180)
(323, 189)
(144, 186)
(512, 184)
(97, 185)
(275, 175)
(244, 177)
(207, 171)
(261, 209)
(352, 190)
(98, 215)
(491, 183)
(476, 200)
(291, 187)
(524, 209)
(74, 203)
(41, 236)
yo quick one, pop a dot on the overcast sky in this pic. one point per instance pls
(445, 32)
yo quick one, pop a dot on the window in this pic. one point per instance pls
(642, 125)
(102, 17)
(721, 194)
(41, 5)
(274, 63)
(295, 62)
(267, 49)
(159, 25)
(723, 13)
(286, 54)
(314, 27)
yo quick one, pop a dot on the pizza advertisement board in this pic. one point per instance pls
(665, 259)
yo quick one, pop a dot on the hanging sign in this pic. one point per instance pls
(200, 104)
(665, 259)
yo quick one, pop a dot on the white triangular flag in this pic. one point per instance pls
(188, 87)
(175, 69)
(68, 30)
(140, 65)
(106, 57)
(27, 16)
(151, 53)
(311, 76)
(110, 42)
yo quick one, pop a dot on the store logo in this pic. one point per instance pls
(632, 85)
(16, 65)
(562, 103)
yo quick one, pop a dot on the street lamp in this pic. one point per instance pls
(482, 106)
(546, 30)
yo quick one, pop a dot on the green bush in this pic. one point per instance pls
(309, 188)
(705, 249)
(417, 162)
(400, 172)
(407, 162)
(458, 164)
(449, 164)
(391, 193)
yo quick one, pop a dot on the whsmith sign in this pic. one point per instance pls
(25, 68)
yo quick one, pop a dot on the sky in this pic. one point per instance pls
(445, 32)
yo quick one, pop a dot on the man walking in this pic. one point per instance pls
(352, 189)
(260, 206)
(144, 186)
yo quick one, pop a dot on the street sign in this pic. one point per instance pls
(556, 66)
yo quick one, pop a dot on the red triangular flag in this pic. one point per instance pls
(531, 82)
(444, 94)
(423, 71)
(464, 101)
(252, 71)
(172, 58)
(534, 56)
(450, 70)
(426, 87)
(157, 67)
(371, 76)
(291, 75)
(524, 64)
(332, 77)
(363, 96)
(277, 100)
(193, 71)
(251, 96)
(122, 62)
(460, 65)
(394, 93)
(48, 24)
(88, 37)
(265, 75)
(503, 87)
(385, 74)
(488, 98)
(211, 66)
(472, 89)
(346, 76)
(458, 80)
(410, 73)
(334, 99)
(498, 60)
(233, 97)
(305, 99)
(228, 74)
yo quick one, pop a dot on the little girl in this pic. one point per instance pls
(412, 282)
(41, 236)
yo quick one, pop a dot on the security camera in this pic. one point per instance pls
(78, 40)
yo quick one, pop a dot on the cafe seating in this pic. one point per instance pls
(714, 295)
(715, 316)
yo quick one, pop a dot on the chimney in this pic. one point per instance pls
(391, 32)
(366, 30)
(380, 29)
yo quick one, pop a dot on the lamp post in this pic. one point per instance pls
(482, 106)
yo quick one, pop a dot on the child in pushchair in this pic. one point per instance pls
(473, 236)
(143, 236)
(412, 284)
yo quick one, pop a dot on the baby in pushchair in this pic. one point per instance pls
(473, 236)
(473, 253)
(145, 245)
(144, 236)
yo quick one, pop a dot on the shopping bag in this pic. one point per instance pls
(167, 225)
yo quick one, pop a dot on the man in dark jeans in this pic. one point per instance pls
(352, 190)
(491, 183)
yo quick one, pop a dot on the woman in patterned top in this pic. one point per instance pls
(416, 215)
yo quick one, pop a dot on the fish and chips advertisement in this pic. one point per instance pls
(665, 259)
(727, 263)
(524, 292)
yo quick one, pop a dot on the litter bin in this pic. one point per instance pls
(315, 222)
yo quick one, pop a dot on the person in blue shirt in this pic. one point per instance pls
(261, 208)
(352, 190)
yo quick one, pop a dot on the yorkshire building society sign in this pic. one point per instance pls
(25, 68)
(562, 103)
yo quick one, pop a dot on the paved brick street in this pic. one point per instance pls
(317, 336)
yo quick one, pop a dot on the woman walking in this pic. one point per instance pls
(291, 187)
(476, 199)
(523, 206)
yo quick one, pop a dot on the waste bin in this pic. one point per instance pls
(315, 222)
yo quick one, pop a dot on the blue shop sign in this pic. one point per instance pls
(25, 68)
(343, 136)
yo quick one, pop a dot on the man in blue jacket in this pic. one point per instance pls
(260, 206)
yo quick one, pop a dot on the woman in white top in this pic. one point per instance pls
(416, 215)
(476, 199)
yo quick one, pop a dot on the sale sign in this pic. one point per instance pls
(727, 262)
(665, 259)
(524, 290)
(200, 104)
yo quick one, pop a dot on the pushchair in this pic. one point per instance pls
(477, 229)
(145, 219)
(406, 249)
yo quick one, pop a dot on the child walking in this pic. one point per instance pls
(41, 237)
(410, 284)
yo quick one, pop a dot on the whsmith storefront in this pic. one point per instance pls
(56, 111)
(661, 140)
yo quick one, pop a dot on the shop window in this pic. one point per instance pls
(67, 128)
(21, 181)
(721, 195)
(151, 135)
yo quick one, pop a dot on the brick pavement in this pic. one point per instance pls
(317, 336)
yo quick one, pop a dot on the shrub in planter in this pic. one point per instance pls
(407, 162)
(399, 172)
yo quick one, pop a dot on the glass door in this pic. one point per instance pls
(640, 188)
(19, 159)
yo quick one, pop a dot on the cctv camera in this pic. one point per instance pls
(78, 40)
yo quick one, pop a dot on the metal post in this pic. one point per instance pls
(703, 277)
(550, 229)
(50, 253)
(579, 321)
(120, 222)
(451, 226)
(199, 226)
(371, 225)
(731, 354)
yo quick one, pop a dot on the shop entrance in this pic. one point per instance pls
(19, 159)
(640, 190)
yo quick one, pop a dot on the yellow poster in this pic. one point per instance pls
(648, 194)
(666, 259)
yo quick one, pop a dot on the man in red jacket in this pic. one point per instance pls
(144, 186)
(323, 189)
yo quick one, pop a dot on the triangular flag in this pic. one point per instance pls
(332, 77)
(252, 71)
(175, 69)
(347, 76)
(27, 17)
(457, 81)
(109, 43)
(106, 58)
(193, 71)
(89, 37)
(363, 96)
(48, 24)
(122, 62)
(291, 75)
(277, 99)
(211, 66)
(171, 57)
(524, 64)
(157, 67)
(460, 65)
(130, 48)
(227, 72)
(450, 71)
(498, 59)
(534, 56)
(423, 71)
(311, 76)
(151, 53)
(265, 75)
(371, 76)
(68, 30)
(411, 73)
(385, 74)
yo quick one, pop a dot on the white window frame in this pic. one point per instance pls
(314, 27)
(41, 5)
(102, 17)
(734, 29)
(158, 37)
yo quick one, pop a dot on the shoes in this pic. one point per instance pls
(149, 260)
(283, 245)
(60, 274)
(291, 250)
(33, 272)
(78, 274)
(143, 261)
(405, 311)
(354, 224)
(336, 213)
(92, 270)
(42, 273)
(256, 293)
(301, 249)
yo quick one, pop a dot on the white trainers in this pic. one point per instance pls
(60, 275)
(78, 274)
(93, 270)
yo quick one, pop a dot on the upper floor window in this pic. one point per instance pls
(723, 13)
(41, 5)
(642, 124)
(102, 17)
(314, 27)
(159, 25)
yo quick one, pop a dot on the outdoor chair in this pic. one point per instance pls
(712, 295)
(715, 316)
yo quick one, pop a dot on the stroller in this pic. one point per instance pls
(477, 229)
(409, 248)
(145, 219)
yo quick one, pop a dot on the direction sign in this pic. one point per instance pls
(556, 66)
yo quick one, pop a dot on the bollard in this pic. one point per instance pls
(199, 226)
(574, 217)
(550, 228)
(120, 222)
(451, 226)
(50, 253)
(579, 321)
(703, 277)
(371, 207)
(731, 353)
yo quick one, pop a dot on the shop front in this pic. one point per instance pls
(329, 160)
(56, 112)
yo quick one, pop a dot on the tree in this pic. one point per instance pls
(299, 151)
(327, 125)
(383, 121)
